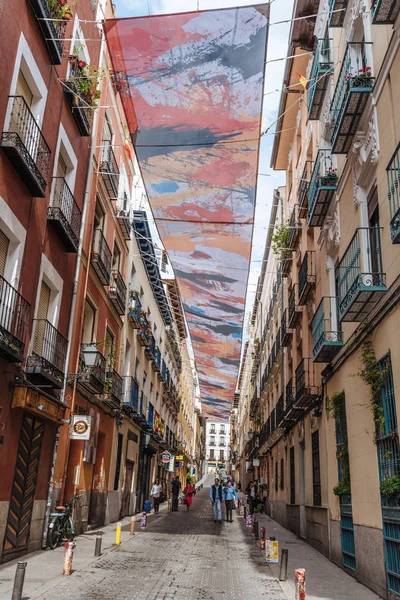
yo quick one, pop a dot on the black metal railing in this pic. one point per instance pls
(26, 147)
(289, 395)
(307, 277)
(135, 308)
(280, 410)
(109, 169)
(304, 184)
(294, 227)
(117, 292)
(14, 315)
(384, 12)
(308, 383)
(101, 257)
(52, 24)
(294, 309)
(113, 386)
(48, 343)
(65, 212)
(93, 377)
(131, 394)
(80, 108)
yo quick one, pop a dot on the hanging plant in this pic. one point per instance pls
(280, 242)
(337, 406)
(373, 376)
(391, 486)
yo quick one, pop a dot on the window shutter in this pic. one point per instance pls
(4, 243)
(44, 302)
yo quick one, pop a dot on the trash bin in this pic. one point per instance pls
(147, 506)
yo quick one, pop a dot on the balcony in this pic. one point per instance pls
(322, 189)
(52, 27)
(353, 87)
(307, 276)
(81, 111)
(360, 276)
(280, 411)
(101, 257)
(163, 370)
(117, 292)
(337, 10)
(393, 180)
(295, 311)
(134, 309)
(109, 170)
(124, 219)
(294, 227)
(130, 399)
(14, 315)
(46, 363)
(322, 67)
(113, 390)
(308, 384)
(286, 333)
(327, 339)
(384, 12)
(93, 378)
(65, 215)
(292, 412)
(302, 192)
(149, 423)
(144, 331)
(157, 361)
(25, 147)
(141, 414)
(150, 350)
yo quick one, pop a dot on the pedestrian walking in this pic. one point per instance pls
(176, 486)
(216, 498)
(156, 494)
(189, 493)
(229, 495)
(253, 492)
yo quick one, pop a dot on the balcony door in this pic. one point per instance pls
(374, 240)
(41, 316)
(4, 245)
(21, 120)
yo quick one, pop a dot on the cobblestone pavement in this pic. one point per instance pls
(180, 556)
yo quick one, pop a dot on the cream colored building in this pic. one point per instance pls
(332, 470)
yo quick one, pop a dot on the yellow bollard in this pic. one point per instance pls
(133, 526)
(118, 534)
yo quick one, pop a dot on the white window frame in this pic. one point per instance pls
(16, 233)
(50, 276)
(64, 147)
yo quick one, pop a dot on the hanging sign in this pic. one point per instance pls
(165, 457)
(81, 427)
(271, 551)
(179, 464)
(256, 462)
(179, 457)
(171, 465)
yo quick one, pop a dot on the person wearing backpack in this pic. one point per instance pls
(216, 498)
(229, 495)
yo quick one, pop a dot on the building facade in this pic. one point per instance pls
(330, 458)
(217, 445)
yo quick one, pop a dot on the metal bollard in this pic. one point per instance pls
(244, 512)
(256, 534)
(169, 505)
(19, 581)
(284, 564)
(118, 534)
(69, 555)
(262, 533)
(300, 584)
(97, 548)
(132, 529)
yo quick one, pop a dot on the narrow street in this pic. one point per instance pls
(184, 556)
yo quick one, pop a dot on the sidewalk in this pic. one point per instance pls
(324, 580)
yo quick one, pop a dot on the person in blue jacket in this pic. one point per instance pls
(229, 494)
(216, 498)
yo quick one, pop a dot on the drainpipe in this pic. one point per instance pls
(86, 197)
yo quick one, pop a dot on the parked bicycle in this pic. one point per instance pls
(61, 526)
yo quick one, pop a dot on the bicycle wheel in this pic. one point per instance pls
(54, 535)
(68, 534)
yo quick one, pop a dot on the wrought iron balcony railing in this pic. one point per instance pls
(308, 384)
(51, 26)
(360, 275)
(117, 292)
(295, 310)
(337, 14)
(280, 410)
(393, 180)
(81, 111)
(109, 170)
(131, 395)
(134, 309)
(292, 412)
(64, 214)
(93, 378)
(46, 363)
(163, 370)
(302, 190)
(384, 12)
(157, 360)
(101, 257)
(286, 333)
(307, 277)
(144, 331)
(150, 350)
(323, 184)
(124, 217)
(353, 86)
(113, 390)
(14, 315)
(25, 147)
(141, 415)
(319, 77)
(294, 227)
(326, 336)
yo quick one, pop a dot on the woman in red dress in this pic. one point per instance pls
(189, 493)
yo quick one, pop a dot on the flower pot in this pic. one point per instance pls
(82, 64)
(68, 16)
(63, 2)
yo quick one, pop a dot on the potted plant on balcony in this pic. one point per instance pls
(329, 179)
(360, 79)
(280, 242)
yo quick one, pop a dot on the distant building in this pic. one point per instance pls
(217, 444)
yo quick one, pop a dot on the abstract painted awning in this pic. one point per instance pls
(192, 88)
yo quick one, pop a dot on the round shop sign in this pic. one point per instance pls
(81, 427)
(165, 457)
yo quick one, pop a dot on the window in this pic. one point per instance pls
(212, 454)
(4, 244)
(118, 463)
(276, 475)
(292, 477)
(99, 216)
(212, 440)
(137, 367)
(282, 482)
(116, 260)
(387, 441)
(144, 379)
(316, 469)
(221, 455)
(89, 318)
(110, 349)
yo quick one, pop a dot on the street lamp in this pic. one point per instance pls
(91, 356)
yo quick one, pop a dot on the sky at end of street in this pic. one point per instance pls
(277, 48)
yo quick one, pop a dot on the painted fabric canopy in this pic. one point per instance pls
(192, 89)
